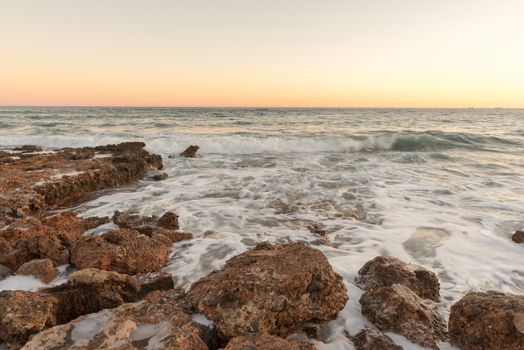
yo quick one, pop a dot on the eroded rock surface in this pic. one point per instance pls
(273, 289)
(397, 308)
(122, 250)
(42, 269)
(49, 238)
(488, 321)
(386, 271)
(267, 342)
(33, 182)
(373, 339)
(157, 322)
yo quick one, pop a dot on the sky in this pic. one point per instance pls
(247, 53)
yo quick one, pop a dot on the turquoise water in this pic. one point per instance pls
(441, 188)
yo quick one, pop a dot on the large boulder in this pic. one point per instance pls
(157, 322)
(386, 271)
(373, 339)
(489, 321)
(398, 309)
(25, 313)
(267, 342)
(122, 250)
(273, 289)
(42, 269)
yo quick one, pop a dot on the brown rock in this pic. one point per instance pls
(267, 342)
(133, 221)
(488, 321)
(40, 268)
(36, 182)
(168, 221)
(121, 250)
(386, 271)
(155, 281)
(28, 148)
(25, 313)
(157, 322)
(270, 290)
(518, 237)
(397, 308)
(5, 271)
(373, 339)
(159, 176)
(190, 152)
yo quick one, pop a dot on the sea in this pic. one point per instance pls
(442, 188)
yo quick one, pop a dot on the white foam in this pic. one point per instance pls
(21, 283)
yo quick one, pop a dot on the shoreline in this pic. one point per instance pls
(84, 171)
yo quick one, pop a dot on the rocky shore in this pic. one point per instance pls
(274, 296)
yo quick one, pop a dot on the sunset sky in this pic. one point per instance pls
(285, 53)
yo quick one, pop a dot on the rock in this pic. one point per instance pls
(37, 182)
(518, 237)
(121, 250)
(317, 229)
(373, 339)
(28, 148)
(133, 221)
(49, 238)
(157, 322)
(488, 321)
(25, 313)
(190, 152)
(397, 308)
(273, 289)
(40, 268)
(5, 272)
(386, 271)
(168, 221)
(159, 176)
(267, 342)
(315, 332)
(155, 281)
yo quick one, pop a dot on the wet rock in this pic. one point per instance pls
(373, 339)
(122, 250)
(28, 148)
(267, 342)
(317, 229)
(42, 269)
(488, 321)
(159, 176)
(155, 281)
(273, 289)
(386, 271)
(133, 221)
(157, 322)
(397, 308)
(49, 238)
(518, 237)
(5, 272)
(25, 313)
(315, 332)
(36, 182)
(190, 152)
(169, 221)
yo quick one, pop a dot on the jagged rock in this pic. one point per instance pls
(40, 268)
(273, 289)
(28, 148)
(36, 182)
(5, 272)
(49, 238)
(168, 221)
(190, 152)
(121, 250)
(267, 342)
(373, 339)
(25, 313)
(157, 322)
(155, 281)
(386, 271)
(518, 237)
(490, 321)
(146, 224)
(397, 308)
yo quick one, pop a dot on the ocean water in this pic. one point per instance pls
(440, 188)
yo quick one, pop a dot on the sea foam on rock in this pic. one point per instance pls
(273, 289)
(489, 321)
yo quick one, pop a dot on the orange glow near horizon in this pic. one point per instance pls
(247, 54)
